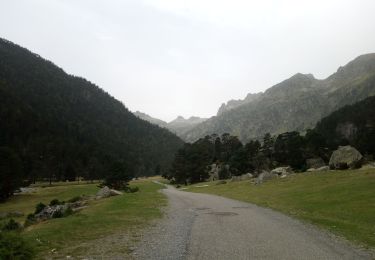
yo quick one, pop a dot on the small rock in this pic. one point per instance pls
(282, 171)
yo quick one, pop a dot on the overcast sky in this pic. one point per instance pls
(171, 57)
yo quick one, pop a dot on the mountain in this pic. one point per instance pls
(63, 126)
(295, 104)
(150, 119)
(178, 126)
(231, 104)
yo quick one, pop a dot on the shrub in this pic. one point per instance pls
(132, 189)
(55, 202)
(75, 199)
(11, 225)
(58, 214)
(13, 246)
(39, 207)
(30, 220)
(68, 212)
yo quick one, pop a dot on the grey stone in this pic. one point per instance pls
(282, 171)
(345, 157)
(104, 192)
(265, 176)
(315, 162)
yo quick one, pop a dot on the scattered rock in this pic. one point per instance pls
(282, 171)
(265, 176)
(345, 157)
(370, 165)
(106, 192)
(116, 192)
(52, 212)
(323, 168)
(315, 163)
(213, 173)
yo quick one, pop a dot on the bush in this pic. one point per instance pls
(132, 189)
(55, 202)
(30, 220)
(39, 207)
(68, 212)
(13, 246)
(58, 214)
(11, 225)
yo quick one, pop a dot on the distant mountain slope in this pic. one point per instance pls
(178, 126)
(150, 119)
(297, 103)
(231, 104)
(63, 126)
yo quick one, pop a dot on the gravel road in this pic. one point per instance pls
(202, 226)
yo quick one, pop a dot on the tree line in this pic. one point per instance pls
(351, 125)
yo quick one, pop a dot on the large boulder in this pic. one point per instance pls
(282, 171)
(315, 163)
(345, 157)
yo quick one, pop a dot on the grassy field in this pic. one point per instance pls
(125, 214)
(341, 201)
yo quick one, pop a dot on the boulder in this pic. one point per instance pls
(213, 172)
(345, 157)
(323, 169)
(282, 171)
(104, 192)
(246, 176)
(315, 163)
(51, 212)
(265, 176)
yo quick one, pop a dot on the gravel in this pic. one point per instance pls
(202, 226)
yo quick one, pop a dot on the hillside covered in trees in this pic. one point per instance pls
(57, 126)
(351, 125)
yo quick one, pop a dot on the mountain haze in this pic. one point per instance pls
(295, 104)
(178, 126)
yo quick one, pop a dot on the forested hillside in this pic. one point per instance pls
(351, 125)
(295, 104)
(61, 126)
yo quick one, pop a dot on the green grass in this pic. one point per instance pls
(125, 214)
(341, 201)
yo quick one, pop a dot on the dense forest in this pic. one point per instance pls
(59, 127)
(351, 125)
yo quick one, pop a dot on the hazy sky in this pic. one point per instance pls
(171, 57)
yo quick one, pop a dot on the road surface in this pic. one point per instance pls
(202, 226)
